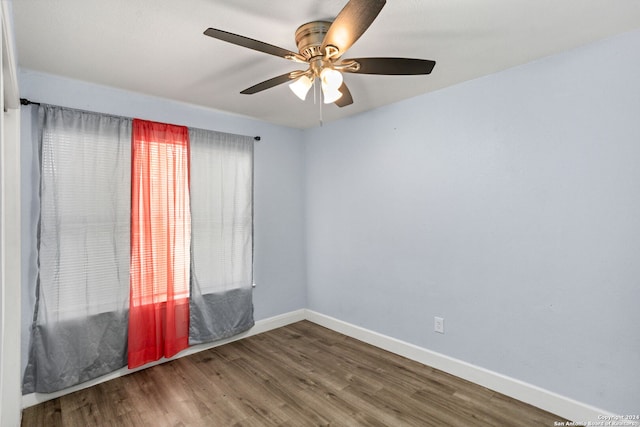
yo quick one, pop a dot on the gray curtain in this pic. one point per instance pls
(221, 302)
(30, 214)
(79, 265)
(79, 325)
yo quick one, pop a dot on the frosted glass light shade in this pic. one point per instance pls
(331, 78)
(301, 87)
(330, 95)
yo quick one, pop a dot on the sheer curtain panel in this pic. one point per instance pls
(160, 241)
(221, 302)
(79, 326)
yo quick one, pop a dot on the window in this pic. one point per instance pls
(124, 276)
(85, 210)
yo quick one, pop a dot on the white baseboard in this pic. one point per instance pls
(533, 395)
(259, 327)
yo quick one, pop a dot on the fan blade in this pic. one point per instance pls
(267, 84)
(392, 66)
(346, 98)
(251, 43)
(352, 21)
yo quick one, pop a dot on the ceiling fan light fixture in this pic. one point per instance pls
(330, 95)
(331, 78)
(301, 87)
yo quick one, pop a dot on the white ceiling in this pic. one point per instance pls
(156, 47)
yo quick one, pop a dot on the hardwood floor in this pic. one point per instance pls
(298, 375)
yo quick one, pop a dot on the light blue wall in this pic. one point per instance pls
(279, 194)
(510, 206)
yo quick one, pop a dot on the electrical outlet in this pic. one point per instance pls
(438, 324)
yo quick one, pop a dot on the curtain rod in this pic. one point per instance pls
(25, 101)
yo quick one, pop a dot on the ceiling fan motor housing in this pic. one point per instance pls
(309, 38)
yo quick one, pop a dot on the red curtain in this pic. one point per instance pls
(160, 242)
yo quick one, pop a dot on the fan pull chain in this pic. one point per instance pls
(314, 91)
(319, 98)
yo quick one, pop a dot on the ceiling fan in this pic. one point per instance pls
(321, 45)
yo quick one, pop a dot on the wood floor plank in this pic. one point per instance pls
(298, 375)
(313, 384)
(48, 412)
(248, 391)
